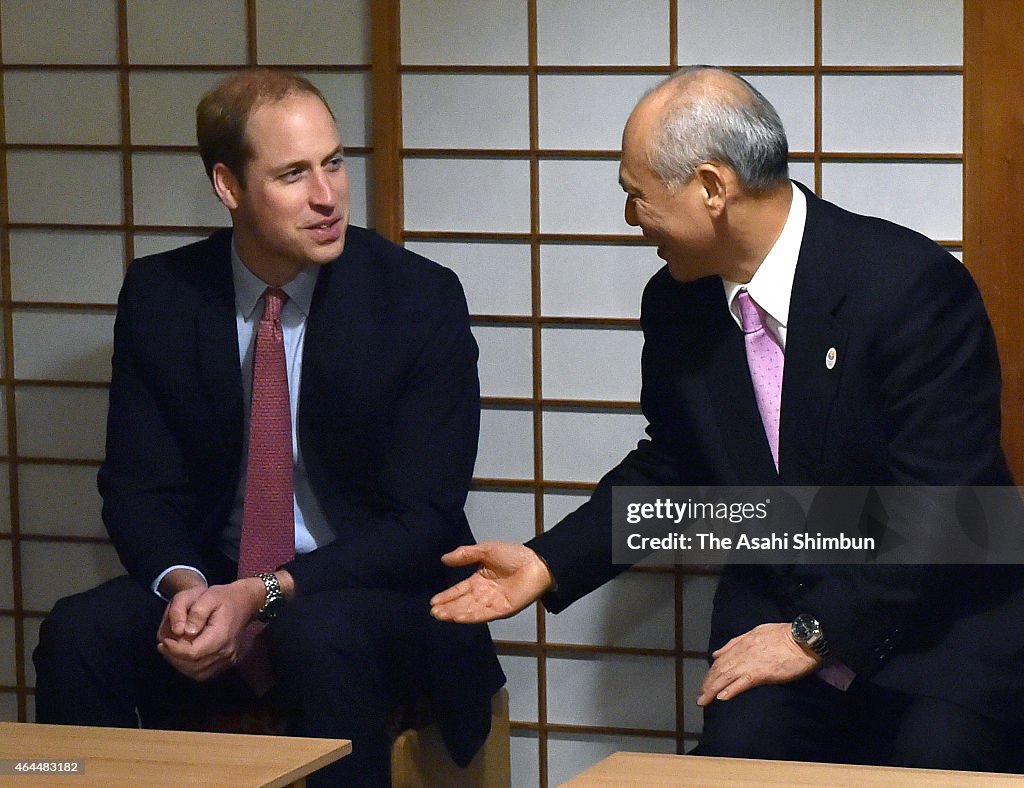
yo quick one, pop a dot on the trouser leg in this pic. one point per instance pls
(936, 734)
(803, 720)
(94, 651)
(343, 661)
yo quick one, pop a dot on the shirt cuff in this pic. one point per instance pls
(836, 673)
(155, 585)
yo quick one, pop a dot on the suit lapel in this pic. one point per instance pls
(217, 338)
(815, 350)
(730, 394)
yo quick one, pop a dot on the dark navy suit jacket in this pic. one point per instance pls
(388, 423)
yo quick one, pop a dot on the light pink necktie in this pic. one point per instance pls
(268, 519)
(765, 360)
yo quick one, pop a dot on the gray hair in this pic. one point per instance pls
(711, 125)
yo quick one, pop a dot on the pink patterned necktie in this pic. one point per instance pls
(268, 519)
(765, 360)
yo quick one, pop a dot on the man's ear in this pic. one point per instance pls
(226, 185)
(716, 184)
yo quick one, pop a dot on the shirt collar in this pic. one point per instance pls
(772, 284)
(249, 288)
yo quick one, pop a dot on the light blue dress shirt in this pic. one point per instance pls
(311, 527)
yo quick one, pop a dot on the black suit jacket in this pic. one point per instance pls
(913, 400)
(388, 424)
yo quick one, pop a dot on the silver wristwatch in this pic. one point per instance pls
(807, 633)
(274, 601)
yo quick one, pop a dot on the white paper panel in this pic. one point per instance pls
(571, 753)
(521, 628)
(506, 360)
(741, 32)
(163, 105)
(360, 194)
(594, 281)
(470, 32)
(858, 113)
(62, 345)
(557, 505)
(89, 185)
(170, 31)
(52, 570)
(56, 31)
(698, 596)
(505, 515)
(793, 99)
(3, 425)
(926, 196)
(5, 501)
(582, 196)
(506, 445)
(635, 610)
(694, 671)
(591, 363)
(465, 111)
(62, 107)
(524, 752)
(892, 32)
(612, 689)
(63, 423)
(151, 243)
(348, 95)
(522, 686)
(802, 171)
(587, 112)
(56, 499)
(602, 32)
(31, 641)
(66, 266)
(467, 194)
(172, 189)
(315, 31)
(6, 590)
(8, 672)
(584, 446)
(495, 276)
(8, 706)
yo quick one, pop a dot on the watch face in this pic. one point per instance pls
(805, 628)
(273, 607)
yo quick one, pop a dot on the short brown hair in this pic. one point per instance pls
(223, 114)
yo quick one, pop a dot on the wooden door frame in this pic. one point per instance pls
(994, 189)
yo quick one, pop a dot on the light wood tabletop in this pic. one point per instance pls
(133, 757)
(657, 770)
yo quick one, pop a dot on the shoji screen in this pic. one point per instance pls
(99, 142)
(512, 114)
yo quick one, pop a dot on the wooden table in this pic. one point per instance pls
(134, 757)
(656, 770)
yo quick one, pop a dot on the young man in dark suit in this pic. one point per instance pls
(362, 361)
(888, 374)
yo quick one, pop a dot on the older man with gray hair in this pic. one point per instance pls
(790, 342)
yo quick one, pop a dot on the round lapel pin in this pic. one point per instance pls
(830, 358)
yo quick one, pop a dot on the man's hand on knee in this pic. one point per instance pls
(767, 654)
(214, 621)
